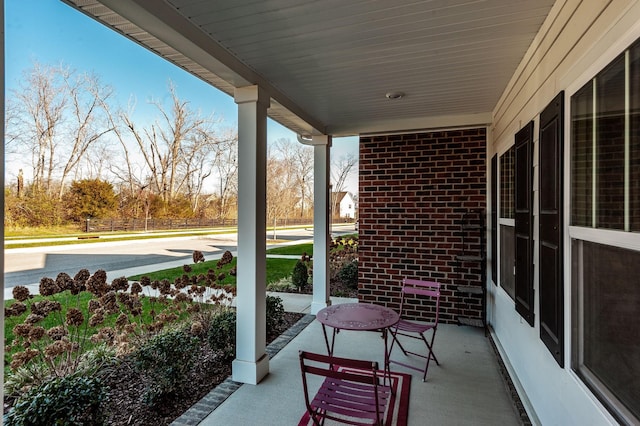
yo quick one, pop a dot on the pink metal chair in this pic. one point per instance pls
(413, 329)
(346, 396)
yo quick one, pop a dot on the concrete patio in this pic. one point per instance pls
(466, 389)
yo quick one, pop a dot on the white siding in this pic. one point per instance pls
(578, 39)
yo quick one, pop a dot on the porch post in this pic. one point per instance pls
(252, 362)
(321, 218)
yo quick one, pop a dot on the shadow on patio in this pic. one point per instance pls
(466, 389)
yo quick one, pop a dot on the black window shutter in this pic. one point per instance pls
(550, 233)
(494, 219)
(524, 223)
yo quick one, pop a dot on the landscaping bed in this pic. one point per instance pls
(126, 386)
(138, 353)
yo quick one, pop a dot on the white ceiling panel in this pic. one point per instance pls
(328, 64)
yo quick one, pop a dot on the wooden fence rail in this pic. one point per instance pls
(137, 225)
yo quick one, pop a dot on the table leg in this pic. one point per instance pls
(387, 362)
(387, 369)
(326, 340)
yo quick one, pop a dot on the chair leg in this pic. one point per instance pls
(394, 341)
(315, 420)
(430, 354)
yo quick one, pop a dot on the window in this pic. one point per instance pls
(508, 259)
(608, 354)
(605, 147)
(507, 180)
(507, 227)
(605, 195)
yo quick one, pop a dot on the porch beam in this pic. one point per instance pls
(252, 363)
(321, 221)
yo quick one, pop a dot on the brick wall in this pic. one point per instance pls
(413, 192)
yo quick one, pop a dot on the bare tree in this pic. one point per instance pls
(56, 114)
(226, 170)
(300, 160)
(125, 171)
(168, 145)
(341, 169)
(281, 182)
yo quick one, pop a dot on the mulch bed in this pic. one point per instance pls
(126, 406)
(126, 388)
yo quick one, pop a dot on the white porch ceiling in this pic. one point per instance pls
(328, 64)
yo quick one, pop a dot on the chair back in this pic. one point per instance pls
(344, 392)
(325, 367)
(421, 288)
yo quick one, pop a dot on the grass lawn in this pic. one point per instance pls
(276, 270)
(297, 249)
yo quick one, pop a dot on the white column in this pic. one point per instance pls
(252, 362)
(321, 218)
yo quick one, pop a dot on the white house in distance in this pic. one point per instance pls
(345, 205)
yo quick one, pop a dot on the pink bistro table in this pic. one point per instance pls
(358, 317)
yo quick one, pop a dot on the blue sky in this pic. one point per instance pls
(50, 32)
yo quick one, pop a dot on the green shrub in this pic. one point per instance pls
(70, 400)
(281, 285)
(275, 313)
(300, 275)
(348, 274)
(165, 360)
(222, 333)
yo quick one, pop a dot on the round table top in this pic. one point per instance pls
(357, 316)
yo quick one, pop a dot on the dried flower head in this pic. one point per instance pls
(57, 332)
(56, 348)
(131, 327)
(96, 319)
(97, 283)
(182, 297)
(81, 277)
(120, 284)
(164, 287)
(48, 287)
(16, 309)
(94, 305)
(135, 306)
(36, 333)
(45, 307)
(21, 293)
(21, 358)
(193, 308)
(181, 282)
(226, 258)
(74, 317)
(33, 319)
(145, 281)
(22, 330)
(136, 288)
(64, 281)
(197, 256)
(197, 328)
(105, 334)
(122, 320)
(110, 302)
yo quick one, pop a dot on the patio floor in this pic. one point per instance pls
(466, 389)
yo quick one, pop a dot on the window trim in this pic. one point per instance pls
(574, 80)
(584, 376)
